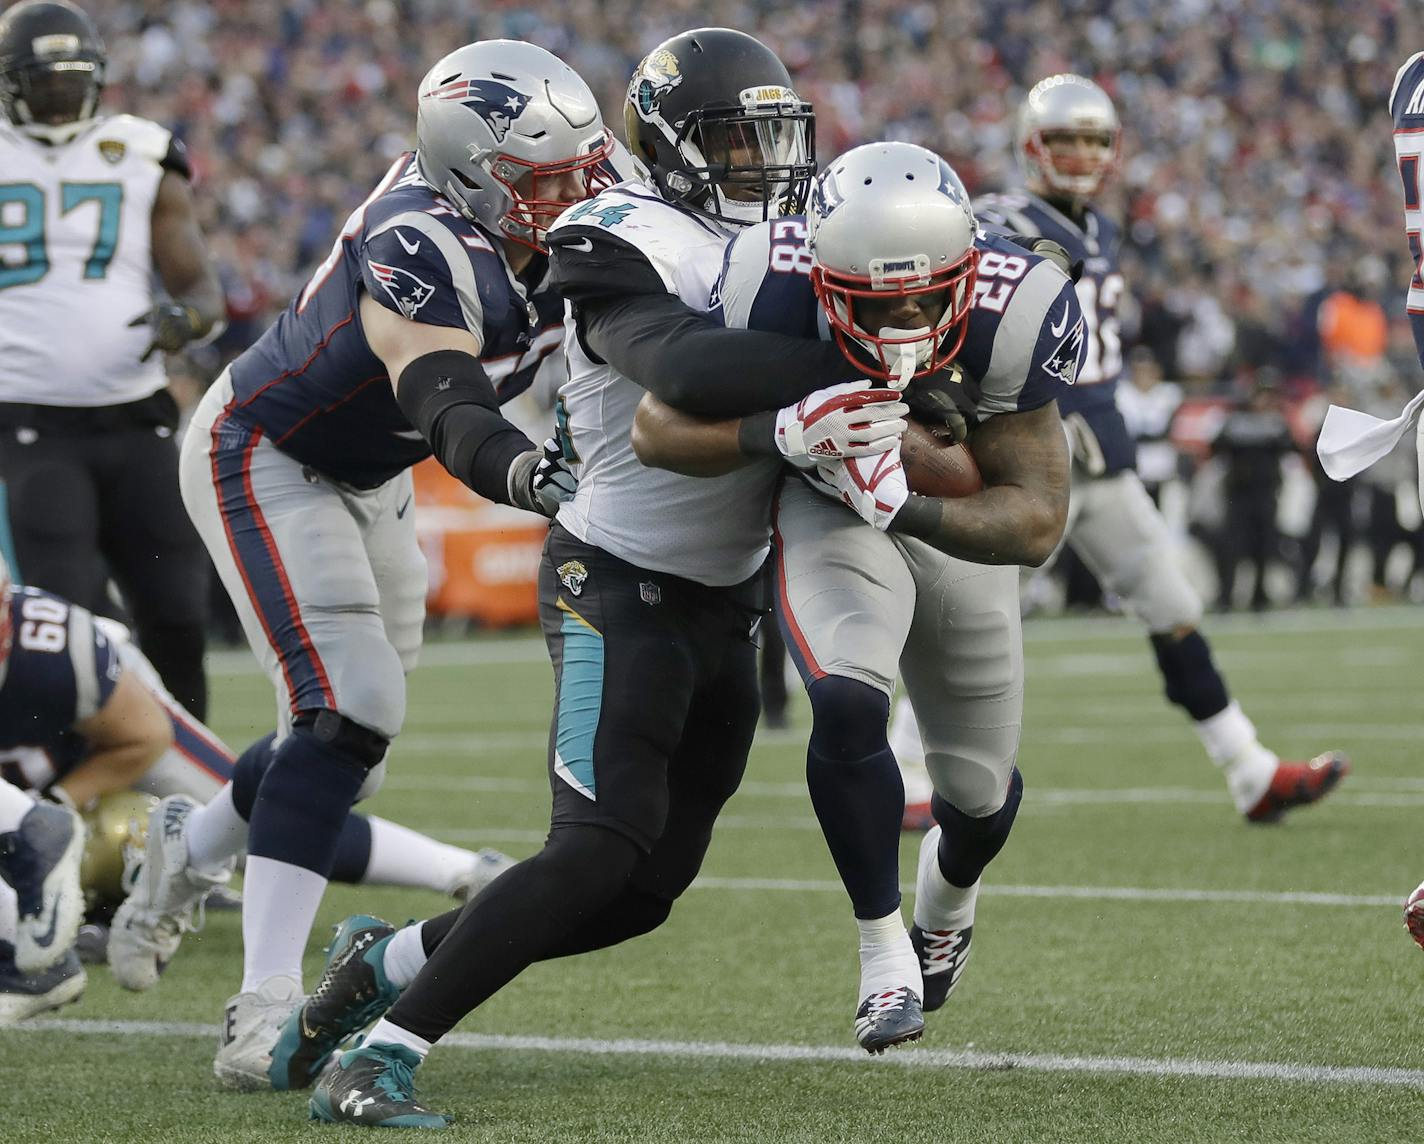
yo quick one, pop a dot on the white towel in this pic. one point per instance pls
(1351, 441)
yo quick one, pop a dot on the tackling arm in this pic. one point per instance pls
(1020, 515)
(126, 736)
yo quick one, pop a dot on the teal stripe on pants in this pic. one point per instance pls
(580, 700)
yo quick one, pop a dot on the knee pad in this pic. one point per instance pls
(1189, 674)
(849, 719)
(358, 746)
(968, 844)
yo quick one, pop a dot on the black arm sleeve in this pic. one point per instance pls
(176, 159)
(626, 317)
(449, 398)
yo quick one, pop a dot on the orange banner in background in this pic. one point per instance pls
(483, 557)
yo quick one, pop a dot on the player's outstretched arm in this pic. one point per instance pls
(180, 256)
(445, 393)
(126, 736)
(1020, 515)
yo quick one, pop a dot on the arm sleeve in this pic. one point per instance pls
(175, 159)
(626, 317)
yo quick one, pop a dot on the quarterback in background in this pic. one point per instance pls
(1068, 140)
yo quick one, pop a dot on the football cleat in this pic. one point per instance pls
(40, 860)
(251, 1025)
(917, 817)
(1299, 784)
(374, 1086)
(26, 994)
(147, 928)
(1414, 915)
(889, 1017)
(353, 992)
(488, 865)
(943, 955)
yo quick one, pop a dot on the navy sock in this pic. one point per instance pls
(968, 844)
(856, 790)
(303, 803)
(1192, 681)
(247, 774)
(353, 850)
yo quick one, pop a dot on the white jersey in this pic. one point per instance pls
(76, 263)
(714, 530)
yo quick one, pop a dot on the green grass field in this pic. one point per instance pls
(1147, 967)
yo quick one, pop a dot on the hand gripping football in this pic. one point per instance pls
(935, 466)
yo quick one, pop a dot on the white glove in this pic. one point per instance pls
(847, 420)
(875, 487)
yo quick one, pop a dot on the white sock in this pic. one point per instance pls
(385, 1033)
(9, 913)
(887, 959)
(939, 904)
(909, 749)
(1230, 740)
(14, 805)
(279, 904)
(402, 857)
(215, 832)
(405, 955)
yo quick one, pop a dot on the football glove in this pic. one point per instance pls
(539, 481)
(174, 326)
(847, 420)
(875, 486)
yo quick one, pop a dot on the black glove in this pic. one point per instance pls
(540, 481)
(174, 326)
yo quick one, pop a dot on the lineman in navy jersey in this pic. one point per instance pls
(986, 334)
(296, 467)
(1068, 140)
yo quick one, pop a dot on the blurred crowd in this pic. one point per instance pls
(1258, 183)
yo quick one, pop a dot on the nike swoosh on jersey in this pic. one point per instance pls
(1057, 329)
(408, 247)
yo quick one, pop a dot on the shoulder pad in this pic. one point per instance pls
(423, 267)
(142, 136)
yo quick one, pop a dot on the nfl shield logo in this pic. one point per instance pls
(650, 592)
(112, 149)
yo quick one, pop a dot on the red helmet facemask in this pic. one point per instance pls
(886, 353)
(527, 221)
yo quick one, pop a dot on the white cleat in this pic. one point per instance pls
(488, 865)
(24, 995)
(252, 1022)
(40, 860)
(159, 910)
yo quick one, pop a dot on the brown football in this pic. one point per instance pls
(935, 467)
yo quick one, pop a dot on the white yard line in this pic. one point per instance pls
(969, 1059)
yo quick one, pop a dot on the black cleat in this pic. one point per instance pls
(943, 955)
(889, 1017)
(374, 1086)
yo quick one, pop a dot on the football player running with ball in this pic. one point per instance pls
(650, 583)
(1068, 140)
(296, 467)
(977, 331)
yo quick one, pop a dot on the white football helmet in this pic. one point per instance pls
(1068, 105)
(891, 219)
(497, 118)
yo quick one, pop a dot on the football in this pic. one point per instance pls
(935, 466)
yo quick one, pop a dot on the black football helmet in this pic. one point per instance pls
(712, 119)
(51, 68)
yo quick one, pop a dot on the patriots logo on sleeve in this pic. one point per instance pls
(407, 291)
(498, 104)
(1063, 362)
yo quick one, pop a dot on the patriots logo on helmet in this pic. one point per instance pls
(498, 104)
(407, 291)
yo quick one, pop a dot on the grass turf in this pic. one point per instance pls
(1118, 795)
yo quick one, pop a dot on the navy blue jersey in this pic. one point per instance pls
(1024, 343)
(1406, 107)
(311, 383)
(1095, 241)
(60, 671)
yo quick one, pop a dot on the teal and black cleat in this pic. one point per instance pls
(353, 992)
(373, 1086)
